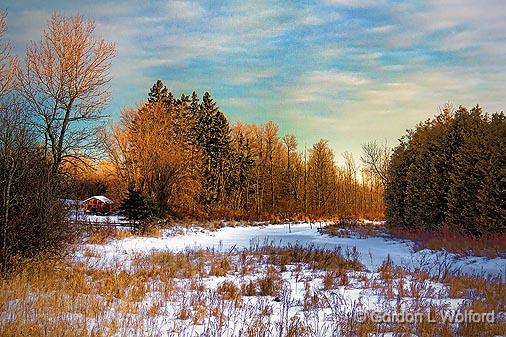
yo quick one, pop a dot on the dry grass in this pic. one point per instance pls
(271, 284)
(347, 228)
(490, 246)
(103, 234)
(62, 298)
(229, 291)
(151, 230)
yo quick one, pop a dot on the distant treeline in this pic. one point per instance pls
(450, 172)
(183, 154)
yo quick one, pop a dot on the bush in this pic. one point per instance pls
(271, 283)
(33, 216)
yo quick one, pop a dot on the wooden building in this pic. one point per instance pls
(97, 204)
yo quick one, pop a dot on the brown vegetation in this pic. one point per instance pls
(491, 246)
(44, 299)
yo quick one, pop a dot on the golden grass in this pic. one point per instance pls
(49, 298)
(271, 283)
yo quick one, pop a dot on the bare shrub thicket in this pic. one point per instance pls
(33, 216)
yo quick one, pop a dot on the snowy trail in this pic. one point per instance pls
(373, 250)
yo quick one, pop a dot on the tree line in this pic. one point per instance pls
(450, 172)
(180, 154)
(183, 155)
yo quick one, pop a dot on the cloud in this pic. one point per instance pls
(345, 70)
(183, 10)
(25, 26)
(330, 52)
(453, 24)
(236, 102)
(240, 77)
(325, 85)
(349, 3)
(382, 29)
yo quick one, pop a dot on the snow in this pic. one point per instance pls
(363, 293)
(97, 219)
(373, 250)
(102, 198)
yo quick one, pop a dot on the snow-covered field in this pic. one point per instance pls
(373, 250)
(269, 281)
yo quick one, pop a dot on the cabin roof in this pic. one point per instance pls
(102, 198)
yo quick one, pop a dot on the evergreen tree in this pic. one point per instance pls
(469, 166)
(492, 193)
(241, 173)
(395, 191)
(135, 207)
(213, 137)
(193, 115)
(158, 92)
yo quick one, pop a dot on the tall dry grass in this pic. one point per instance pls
(246, 293)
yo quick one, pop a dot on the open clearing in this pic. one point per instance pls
(273, 280)
(373, 250)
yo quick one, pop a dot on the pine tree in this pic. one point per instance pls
(158, 92)
(135, 207)
(449, 172)
(213, 137)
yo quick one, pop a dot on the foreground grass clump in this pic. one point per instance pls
(261, 291)
(103, 234)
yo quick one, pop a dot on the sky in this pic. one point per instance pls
(344, 70)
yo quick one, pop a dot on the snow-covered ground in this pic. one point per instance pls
(136, 289)
(365, 291)
(99, 219)
(373, 250)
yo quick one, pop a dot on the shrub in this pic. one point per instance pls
(101, 235)
(32, 214)
(329, 281)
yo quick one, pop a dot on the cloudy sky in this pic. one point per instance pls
(345, 70)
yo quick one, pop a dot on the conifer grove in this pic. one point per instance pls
(450, 172)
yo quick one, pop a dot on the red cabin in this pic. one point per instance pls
(97, 204)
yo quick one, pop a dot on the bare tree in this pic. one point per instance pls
(376, 158)
(9, 166)
(290, 143)
(272, 147)
(65, 83)
(14, 146)
(148, 154)
(114, 138)
(31, 212)
(8, 63)
(321, 176)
